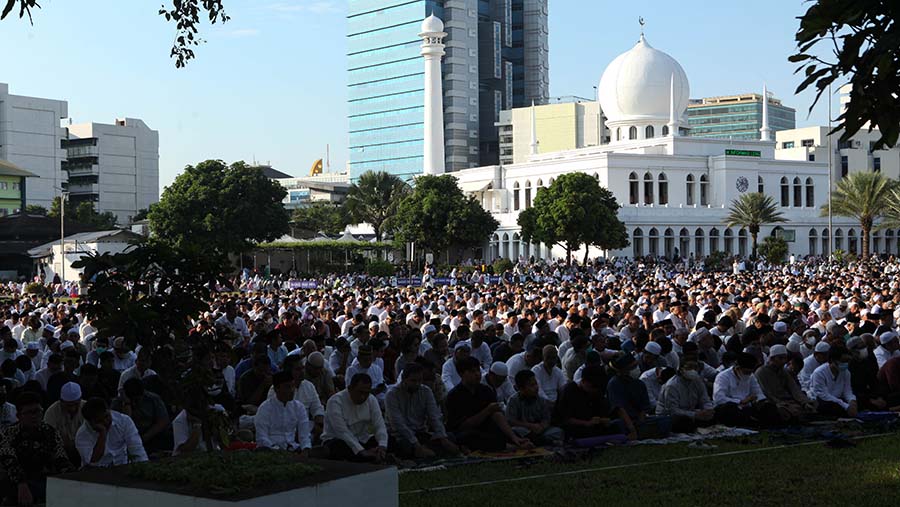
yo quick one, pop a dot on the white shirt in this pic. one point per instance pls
(238, 326)
(728, 388)
(307, 395)
(354, 423)
(515, 364)
(883, 355)
(123, 443)
(552, 383)
(122, 364)
(504, 392)
(482, 353)
(809, 366)
(826, 387)
(651, 380)
(181, 431)
(449, 376)
(373, 371)
(284, 426)
(131, 373)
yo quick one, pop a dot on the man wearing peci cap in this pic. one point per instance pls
(816, 359)
(889, 347)
(780, 387)
(497, 379)
(65, 417)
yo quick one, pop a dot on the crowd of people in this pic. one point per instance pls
(551, 355)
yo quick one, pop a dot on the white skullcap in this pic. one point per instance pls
(887, 337)
(499, 368)
(778, 350)
(823, 347)
(70, 392)
(653, 348)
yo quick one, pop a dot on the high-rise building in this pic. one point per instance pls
(114, 166)
(496, 58)
(30, 138)
(736, 116)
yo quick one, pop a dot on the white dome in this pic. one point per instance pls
(432, 24)
(635, 87)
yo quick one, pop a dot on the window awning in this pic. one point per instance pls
(469, 187)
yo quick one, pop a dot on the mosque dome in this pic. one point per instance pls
(432, 24)
(634, 88)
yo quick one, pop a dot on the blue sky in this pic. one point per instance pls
(270, 84)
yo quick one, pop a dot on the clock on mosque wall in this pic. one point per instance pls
(742, 184)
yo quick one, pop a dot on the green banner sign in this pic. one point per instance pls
(742, 153)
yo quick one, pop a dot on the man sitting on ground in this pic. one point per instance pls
(354, 426)
(685, 400)
(282, 422)
(107, 438)
(780, 387)
(529, 415)
(831, 386)
(583, 410)
(414, 419)
(739, 400)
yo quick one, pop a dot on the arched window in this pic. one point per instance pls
(810, 193)
(742, 242)
(516, 191)
(876, 242)
(516, 245)
(888, 241)
(632, 133)
(826, 244)
(665, 130)
(663, 189)
(495, 246)
(648, 132)
(648, 188)
(633, 189)
(504, 245)
(689, 184)
(785, 192)
(618, 133)
(637, 242)
(798, 193)
(597, 176)
(704, 190)
(760, 187)
(550, 183)
(852, 245)
(669, 243)
(713, 240)
(538, 186)
(527, 194)
(654, 242)
(838, 239)
(813, 241)
(698, 242)
(684, 241)
(729, 242)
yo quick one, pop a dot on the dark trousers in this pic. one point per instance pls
(682, 424)
(754, 415)
(831, 409)
(406, 449)
(339, 450)
(486, 437)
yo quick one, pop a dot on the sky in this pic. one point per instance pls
(270, 85)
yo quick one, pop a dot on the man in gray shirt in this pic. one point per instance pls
(685, 399)
(414, 419)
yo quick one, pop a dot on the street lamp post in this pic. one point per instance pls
(62, 238)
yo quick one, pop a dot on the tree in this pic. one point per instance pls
(34, 209)
(83, 213)
(752, 211)
(864, 37)
(863, 196)
(307, 221)
(374, 200)
(574, 211)
(225, 209)
(436, 215)
(773, 249)
(185, 14)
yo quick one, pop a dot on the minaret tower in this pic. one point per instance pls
(432, 36)
(765, 133)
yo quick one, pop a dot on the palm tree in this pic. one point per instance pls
(373, 199)
(864, 196)
(752, 211)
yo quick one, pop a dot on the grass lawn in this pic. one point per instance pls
(809, 474)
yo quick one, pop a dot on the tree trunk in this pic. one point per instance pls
(587, 249)
(568, 255)
(866, 232)
(753, 236)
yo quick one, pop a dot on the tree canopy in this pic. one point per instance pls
(185, 14)
(224, 209)
(863, 37)
(83, 213)
(437, 215)
(752, 211)
(864, 196)
(374, 199)
(308, 221)
(574, 211)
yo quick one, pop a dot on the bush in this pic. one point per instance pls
(773, 250)
(839, 255)
(717, 261)
(379, 268)
(34, 288)
(502, 265)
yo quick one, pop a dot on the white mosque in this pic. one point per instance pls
(674, 191)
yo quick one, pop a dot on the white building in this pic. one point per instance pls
(114, 166)
(674, 191)
(30, 137)
(78, 246)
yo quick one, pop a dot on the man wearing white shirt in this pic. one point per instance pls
(354, 426)
(231, 321)
(549, 376)
(738, 398)
(831, 387)
(480, 350)
(282, 423)
(449, 375)
(889, 348)
(818, 358)
(365, 365)
(141, 369)
(523, 360)
(107, 438)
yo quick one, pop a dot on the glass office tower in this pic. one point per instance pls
(497, 58)
(736, 116)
